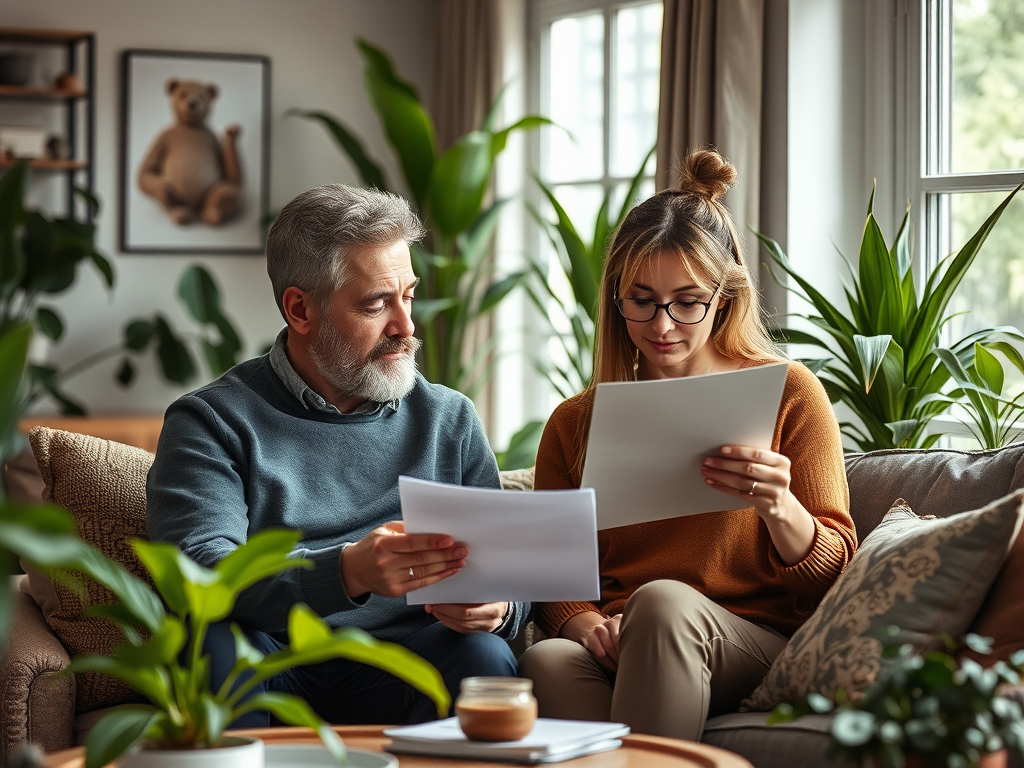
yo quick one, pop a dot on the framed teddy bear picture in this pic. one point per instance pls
(194, 163)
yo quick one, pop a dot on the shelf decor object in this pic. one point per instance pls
(194, 162)
(48, 104)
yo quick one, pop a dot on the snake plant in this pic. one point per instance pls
(885, 354)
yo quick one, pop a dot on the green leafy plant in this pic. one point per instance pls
(924, 705)
(40, 256)
(162, 657)
(582, 261)
(993, 417)
(42, 533)
(449, 190)
(165, 629)
(885, 359)
(522, 447)
(219, 343)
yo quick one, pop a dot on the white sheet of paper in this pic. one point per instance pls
(648, 439)
(538, 546)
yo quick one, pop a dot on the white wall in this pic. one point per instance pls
(827, 196)
(314, 64)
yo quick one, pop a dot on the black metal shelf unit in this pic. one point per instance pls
(79, 60)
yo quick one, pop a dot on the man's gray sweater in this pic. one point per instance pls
(244, 454)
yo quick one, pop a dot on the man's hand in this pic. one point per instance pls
(380, 562)
(469, 617)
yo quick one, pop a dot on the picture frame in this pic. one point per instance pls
(186, 186)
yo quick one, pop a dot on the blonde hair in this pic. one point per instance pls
(692, 222)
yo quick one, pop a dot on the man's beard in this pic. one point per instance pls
(372, 378)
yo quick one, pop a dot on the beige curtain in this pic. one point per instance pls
(467, 66)
(467, 79)
(711, 74)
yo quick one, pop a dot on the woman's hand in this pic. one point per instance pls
(756, 475)
(603, 642)
(596, 633)
(761, 478)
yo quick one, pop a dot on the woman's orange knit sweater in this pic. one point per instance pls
(727, 556)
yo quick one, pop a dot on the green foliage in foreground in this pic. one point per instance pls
(924, 705)
(162, 657)
(886, 359)
(164, 630)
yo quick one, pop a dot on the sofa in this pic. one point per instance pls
(38, 704)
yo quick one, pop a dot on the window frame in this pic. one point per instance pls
(908, 104)
(541, 14)
(920, 74)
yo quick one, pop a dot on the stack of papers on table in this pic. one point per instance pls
(550, 741)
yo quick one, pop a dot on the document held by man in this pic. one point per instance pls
(648, 439)
(538, 546)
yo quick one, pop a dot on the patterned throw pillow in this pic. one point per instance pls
(102, 484)
(1002, 614)
(925, 575)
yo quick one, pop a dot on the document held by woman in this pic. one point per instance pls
(648, 439)
(535, 546)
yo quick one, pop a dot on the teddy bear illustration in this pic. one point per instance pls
(188, 169)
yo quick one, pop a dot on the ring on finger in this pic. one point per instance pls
(751, 493)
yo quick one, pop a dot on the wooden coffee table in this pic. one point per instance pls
(636, 751)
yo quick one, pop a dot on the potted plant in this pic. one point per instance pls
(993, 415)
(40, 256)
(885, 358)
(162, 656)
(582, 263)
(449, 190)
(925, 710)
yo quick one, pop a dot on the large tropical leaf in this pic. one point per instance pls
(579, 269)
(459, 182)
(312, 642)
(13, 185)
(371, 173)
(934, 303)
(13, 355)
(116, 732)
(407, 125)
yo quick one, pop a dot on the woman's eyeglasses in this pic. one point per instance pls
(682, 312)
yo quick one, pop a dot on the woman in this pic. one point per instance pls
(693, 610)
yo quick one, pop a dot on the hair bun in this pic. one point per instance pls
(706, 173)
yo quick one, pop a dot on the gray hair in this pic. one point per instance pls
(314, 235)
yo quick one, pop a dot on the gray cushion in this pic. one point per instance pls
(802, 742)
(934, 482)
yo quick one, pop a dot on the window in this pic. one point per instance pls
(595, 53)
(596, 68)
(973, 150)
(970, 136)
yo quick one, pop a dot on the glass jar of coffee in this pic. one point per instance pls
(496, 708)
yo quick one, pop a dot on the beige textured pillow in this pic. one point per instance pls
(924, 575)
(102, 484)
(517, 479)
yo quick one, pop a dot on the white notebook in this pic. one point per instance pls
(549, 741)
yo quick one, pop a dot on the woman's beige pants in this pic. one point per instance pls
(681, 657)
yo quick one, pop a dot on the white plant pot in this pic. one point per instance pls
(237, 752)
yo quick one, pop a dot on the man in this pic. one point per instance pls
(313, 436)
